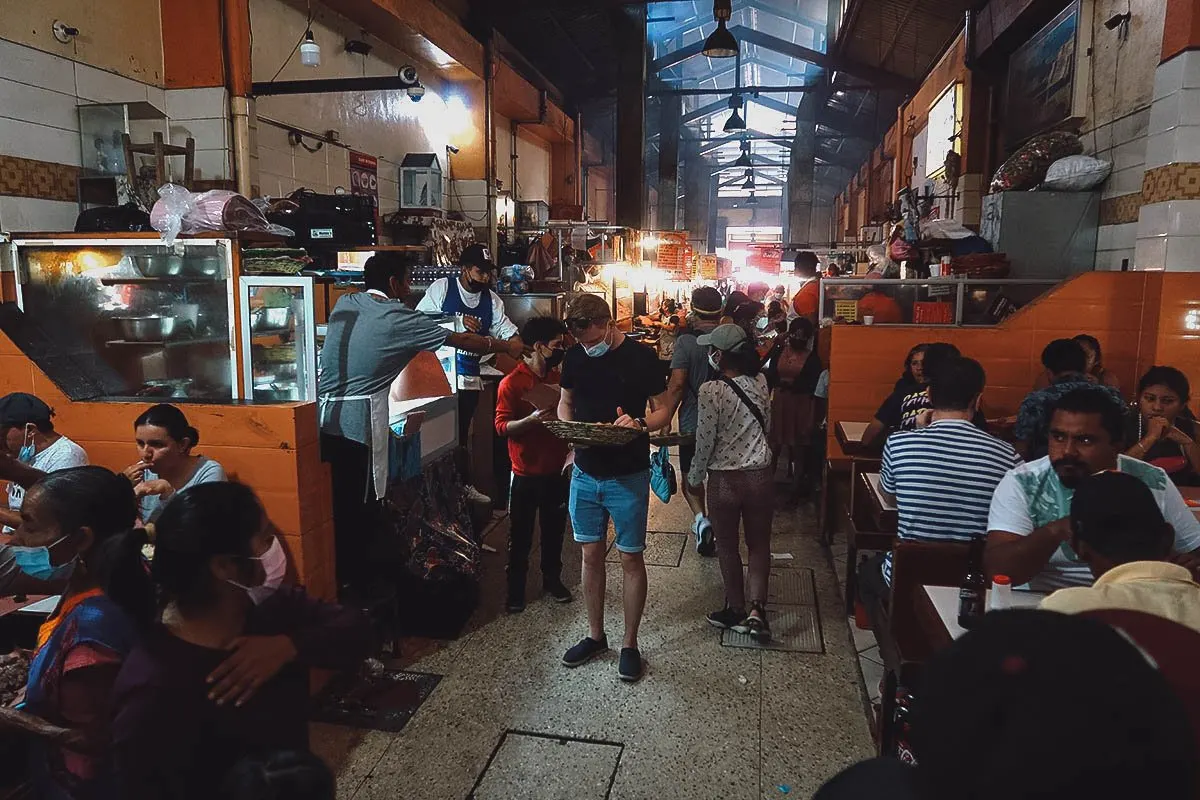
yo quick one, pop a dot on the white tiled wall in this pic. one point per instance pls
(39, 119)
(1174, 129)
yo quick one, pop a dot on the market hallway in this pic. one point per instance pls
(509, 722)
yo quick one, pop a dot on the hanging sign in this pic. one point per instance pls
(364, 175)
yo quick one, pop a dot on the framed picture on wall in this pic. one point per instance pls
(1041, 79)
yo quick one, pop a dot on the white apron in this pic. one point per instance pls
(376, 435)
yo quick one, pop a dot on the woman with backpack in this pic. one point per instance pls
(732, 450)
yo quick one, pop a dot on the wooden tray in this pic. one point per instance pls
(594, 434)
(671, 439)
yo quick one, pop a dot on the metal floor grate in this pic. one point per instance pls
(538, 766)
(793, 613)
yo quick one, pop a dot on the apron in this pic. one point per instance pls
(376, 435)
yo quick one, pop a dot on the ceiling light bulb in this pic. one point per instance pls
(735, 122)
(752, 200)
(721, 44)
(744, 160)
(310, 51)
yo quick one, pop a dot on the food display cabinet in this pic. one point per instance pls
(279, 340)
(123, 317)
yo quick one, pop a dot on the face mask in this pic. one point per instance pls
(599, 348)
(35, 562)
(714, 360)
(476, 286)
(274, 563)
(555, 358)
(761, 323)
(28, 451)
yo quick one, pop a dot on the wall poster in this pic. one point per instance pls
(1041, 79)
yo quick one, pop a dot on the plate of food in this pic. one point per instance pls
(593, 434)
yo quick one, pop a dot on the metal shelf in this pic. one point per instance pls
(182, 279)
(169, 343)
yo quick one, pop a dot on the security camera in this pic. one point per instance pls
(1117, 20)
(416, 92)
(451, 149)
(408, 74)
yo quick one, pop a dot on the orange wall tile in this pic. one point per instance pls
(1138, 317)
(273, 449)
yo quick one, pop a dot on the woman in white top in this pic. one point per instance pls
(733, 451)
(166, 465)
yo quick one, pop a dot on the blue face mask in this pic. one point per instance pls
(28, 451)
(35, 562)
(599, 348)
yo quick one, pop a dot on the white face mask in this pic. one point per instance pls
(274, 563)
(599, 348)
(714, 359)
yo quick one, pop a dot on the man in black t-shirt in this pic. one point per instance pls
(609, 378)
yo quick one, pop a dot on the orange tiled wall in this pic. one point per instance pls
(274, 449)
(1140, 319)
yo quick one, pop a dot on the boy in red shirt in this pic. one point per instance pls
(538, 457)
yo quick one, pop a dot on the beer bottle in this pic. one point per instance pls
(972, 595)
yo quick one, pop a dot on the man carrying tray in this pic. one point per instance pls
(609, 378)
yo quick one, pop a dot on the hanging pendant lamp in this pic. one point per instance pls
(721, 44)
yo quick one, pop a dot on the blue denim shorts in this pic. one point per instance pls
(624, 499)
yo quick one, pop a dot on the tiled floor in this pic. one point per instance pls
(509, 721)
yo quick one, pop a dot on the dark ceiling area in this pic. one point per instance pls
(857, 69)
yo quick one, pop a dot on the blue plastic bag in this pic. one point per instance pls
(662, 475)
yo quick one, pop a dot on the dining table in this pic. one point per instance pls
(937, 606)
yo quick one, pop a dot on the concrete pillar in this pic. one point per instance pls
(630, 30)
(1169, 219)
(670, 120)
(800, 188)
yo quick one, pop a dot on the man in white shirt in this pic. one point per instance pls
(29, 436)
(1119, 532)
(483, 314)
(1029, 530)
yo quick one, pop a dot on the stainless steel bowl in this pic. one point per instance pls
(152, 328)
(159, 266)
(272, 319)
(208, 266)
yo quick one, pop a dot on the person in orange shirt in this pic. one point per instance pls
(808, 300)
(882, 307)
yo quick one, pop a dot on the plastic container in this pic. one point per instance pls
(1000, 598)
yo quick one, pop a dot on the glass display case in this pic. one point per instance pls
(927, 301)
(120, 318)
(279, 347)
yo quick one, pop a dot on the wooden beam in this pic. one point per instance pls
(419, 27)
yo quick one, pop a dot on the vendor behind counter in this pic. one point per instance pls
(372, 336)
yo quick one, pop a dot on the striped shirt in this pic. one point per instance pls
(943, 477)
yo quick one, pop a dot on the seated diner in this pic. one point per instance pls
(1118, 530)
(1161, 430)
(1029, 528)
(27, 434)
(1065, 363)
(77, 526)
(942, 476)
(166, 465)
(226, 670)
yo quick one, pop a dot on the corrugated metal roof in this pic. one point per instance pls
(903, 36)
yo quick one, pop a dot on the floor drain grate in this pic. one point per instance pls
(794, 629)
(539, 766)
(793, 613)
